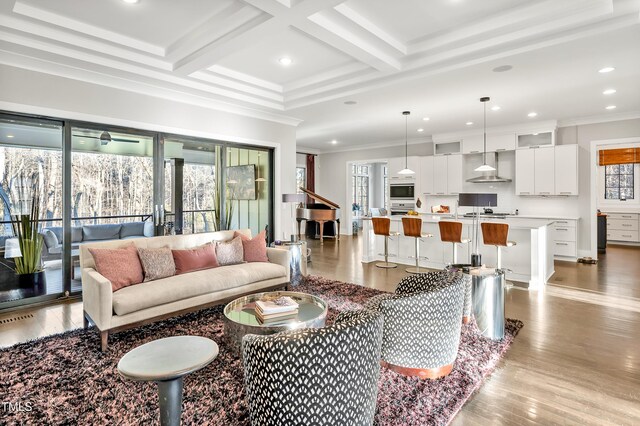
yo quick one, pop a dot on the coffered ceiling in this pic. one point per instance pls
(379, 53)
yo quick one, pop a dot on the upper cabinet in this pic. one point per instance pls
(566, 169)
(441, 175)
(425, 181)
(496, 142)
(394, 165)
(535, 139)
(501, 142)
(547, 170)
(447, 148)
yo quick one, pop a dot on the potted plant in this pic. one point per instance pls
(28, 266)
(222, 223)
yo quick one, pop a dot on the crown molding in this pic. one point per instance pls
(595, 119)
(531, 126)
(376, 145)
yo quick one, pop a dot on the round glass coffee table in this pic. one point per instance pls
(240, 316)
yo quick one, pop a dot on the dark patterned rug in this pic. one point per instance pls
(65, 379)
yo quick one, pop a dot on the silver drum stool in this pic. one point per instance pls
(488, 301)
(297, 262)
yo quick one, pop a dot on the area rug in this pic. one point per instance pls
(65, 379)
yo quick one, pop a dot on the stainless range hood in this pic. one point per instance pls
(490, 177)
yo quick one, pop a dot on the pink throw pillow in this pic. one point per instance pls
(255, 249)
(203, 257)
(120, 266)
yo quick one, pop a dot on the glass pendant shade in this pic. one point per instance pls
(406, 172)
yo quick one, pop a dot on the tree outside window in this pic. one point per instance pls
(301, 179)
(619, 181)
(360, 184)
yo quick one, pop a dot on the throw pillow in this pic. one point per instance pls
(120, 266)
(255, 249)
(157, 263)
(203, 257)
(229, 252)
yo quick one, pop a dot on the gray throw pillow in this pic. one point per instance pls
(230, 252)
(50, 239)
(157, 263)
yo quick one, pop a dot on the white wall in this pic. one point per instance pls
(37, 93)
(332, 175)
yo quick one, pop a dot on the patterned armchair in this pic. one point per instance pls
(422, 324)
(325, 376)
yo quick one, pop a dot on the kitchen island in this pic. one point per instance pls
(530, 261)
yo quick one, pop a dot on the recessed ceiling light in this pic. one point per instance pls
(425, 118)
(609, 92)
(285, 61)
(421, 129)
(469, 123)
(495, 108)
(334, 141)
(606, 70)
(9, 136)
(611, 107)
(350, 102)
(532, 114)
(503, 68)
(131, 1)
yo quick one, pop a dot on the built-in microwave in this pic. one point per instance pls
(401, 191)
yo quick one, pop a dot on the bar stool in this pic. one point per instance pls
(495, 234)
(412, 227)
(382, 226)
(451, 232)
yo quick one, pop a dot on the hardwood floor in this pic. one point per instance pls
(574, 362)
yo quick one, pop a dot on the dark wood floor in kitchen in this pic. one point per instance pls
(576, 361)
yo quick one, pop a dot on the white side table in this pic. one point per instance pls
(167, 361)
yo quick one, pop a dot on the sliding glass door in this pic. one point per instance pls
(31, 202)
(112, 188)
(91, 182)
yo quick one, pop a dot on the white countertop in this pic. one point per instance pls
(519, 223)
(522, 216)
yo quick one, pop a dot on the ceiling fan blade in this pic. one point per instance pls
(125, 140)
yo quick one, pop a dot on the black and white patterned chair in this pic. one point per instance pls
(422, 324)
(325, 376)
(432, 280)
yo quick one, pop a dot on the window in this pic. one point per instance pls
(301, 179)
(619, 180)
(360, 184)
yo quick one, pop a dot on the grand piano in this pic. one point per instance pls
(322, 217)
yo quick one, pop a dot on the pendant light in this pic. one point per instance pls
(485, 167)
(259, 179)
(406, 170)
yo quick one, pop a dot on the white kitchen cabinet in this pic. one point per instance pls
(544, 166)
(566, 169)
(440, 175)
(623, 227)
(425, 181)
(525, 174)
(454, 174)
(447, 148)
(501, 142)
(473, 144)
(535, 171)
(535, 140)
(394, 165)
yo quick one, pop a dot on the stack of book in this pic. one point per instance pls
(276, 310)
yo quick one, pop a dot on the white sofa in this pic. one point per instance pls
(154, 300)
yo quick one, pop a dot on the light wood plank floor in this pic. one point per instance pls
(576, 361)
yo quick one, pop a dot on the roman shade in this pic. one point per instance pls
(607, 157)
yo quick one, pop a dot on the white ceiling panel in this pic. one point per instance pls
(310, 57)
(156, 22)
(408, 20)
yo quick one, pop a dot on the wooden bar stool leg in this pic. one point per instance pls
(386, 263)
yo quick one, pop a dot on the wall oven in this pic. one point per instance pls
(401, 191)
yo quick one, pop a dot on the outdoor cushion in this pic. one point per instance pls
(101, 232)
(50, 239)
(179, 287)
(76, 233)
(131, 229)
